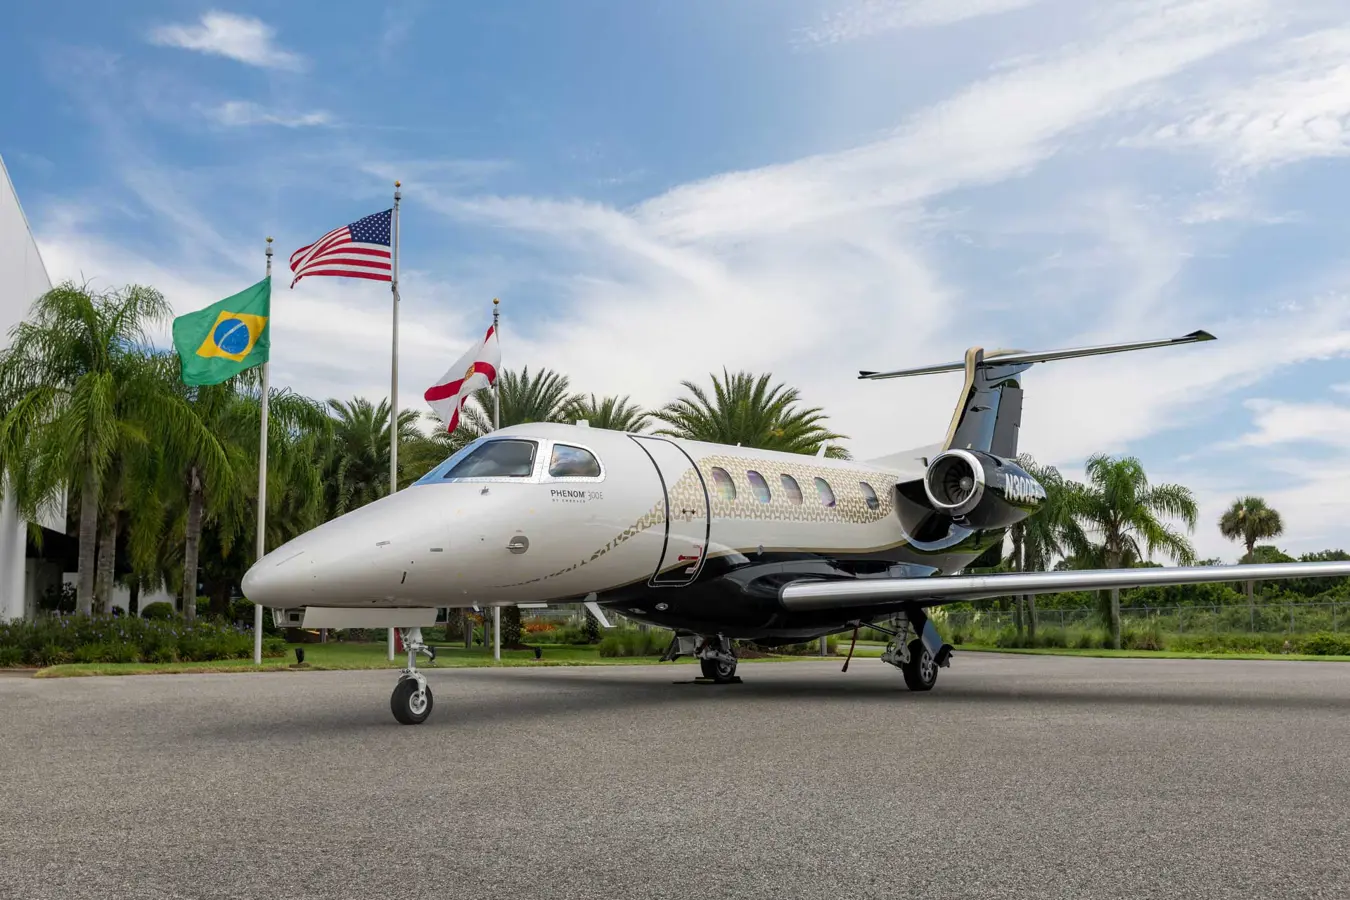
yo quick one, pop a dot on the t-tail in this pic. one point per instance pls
(974, 484)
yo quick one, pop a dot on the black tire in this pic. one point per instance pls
(720, 672)
(405, 706)
(921, 670)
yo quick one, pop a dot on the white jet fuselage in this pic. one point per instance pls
(645, 513)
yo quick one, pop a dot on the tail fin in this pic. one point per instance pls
(989, 412)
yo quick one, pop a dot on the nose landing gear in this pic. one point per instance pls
(411, 701)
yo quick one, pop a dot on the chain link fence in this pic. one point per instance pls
(1264, 618)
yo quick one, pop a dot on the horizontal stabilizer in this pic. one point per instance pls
(1019, 357)
(938, 589)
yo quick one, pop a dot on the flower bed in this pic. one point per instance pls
(57, 639)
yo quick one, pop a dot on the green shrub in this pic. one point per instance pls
(1149, 639)
(89, 653)
(160, 610)
(1052, 637)
(812, 648)
(634, 642)
(118, 639)
(1325, 643)
(569, 634)
(51, 655)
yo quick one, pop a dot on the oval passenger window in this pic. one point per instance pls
(826, 492)
(759, 486)
(792, 489)
(869, 496)
(726, 488)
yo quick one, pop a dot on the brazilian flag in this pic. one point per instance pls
(225, 338)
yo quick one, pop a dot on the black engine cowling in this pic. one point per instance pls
(965, 491)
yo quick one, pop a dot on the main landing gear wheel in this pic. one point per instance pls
(719, 671)
(922, 670)
(411, 701)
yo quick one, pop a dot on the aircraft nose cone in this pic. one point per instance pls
(267, 584)
(357, 557)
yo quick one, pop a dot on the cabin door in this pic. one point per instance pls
(686, 504)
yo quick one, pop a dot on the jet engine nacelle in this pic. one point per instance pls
(962, 492)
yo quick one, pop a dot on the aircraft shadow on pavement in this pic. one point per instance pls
(568, 695)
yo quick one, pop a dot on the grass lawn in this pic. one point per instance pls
(875, 649)
(1150, 654)
(330, 657)
(337, 656)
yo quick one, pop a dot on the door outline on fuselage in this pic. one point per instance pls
(677, 577)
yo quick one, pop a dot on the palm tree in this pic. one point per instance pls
(357, 454)
(747, 410)
(74, 395)
(1051, 532)
(521, 398)
(615, 413)
(1125, 513)
(1249, 520)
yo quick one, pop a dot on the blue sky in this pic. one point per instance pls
(659, 189)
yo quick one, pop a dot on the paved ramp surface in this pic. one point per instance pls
(1018, 777)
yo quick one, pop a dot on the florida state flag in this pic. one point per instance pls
(476, 369)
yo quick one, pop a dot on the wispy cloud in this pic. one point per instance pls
(242, 38)
(235, 113)
(1297, 106)
(870, 17)
(1285, 422)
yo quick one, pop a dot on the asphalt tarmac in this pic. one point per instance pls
(1017, 777)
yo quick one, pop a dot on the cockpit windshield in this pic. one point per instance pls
(503, 458)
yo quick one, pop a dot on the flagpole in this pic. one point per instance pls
(496, 424)
(496, 335)
(261, 542)
(393, 372)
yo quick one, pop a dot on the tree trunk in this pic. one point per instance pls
(192, 544)
(1115, 618)
(1251, 586)
(84, 593)
(467, 624)
(1031, 618)
(1017, 615)
(134, 601)
(220, 598)
(107, 559)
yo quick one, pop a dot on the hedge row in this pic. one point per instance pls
(1322, 643)
(52, 640)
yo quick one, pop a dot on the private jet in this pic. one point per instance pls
(716, 543)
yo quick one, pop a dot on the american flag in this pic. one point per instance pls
(358, 250)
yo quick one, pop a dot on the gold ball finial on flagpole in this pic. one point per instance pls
(269, 240)
(495, 301)
(398, 184)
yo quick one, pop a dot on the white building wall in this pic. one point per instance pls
(23, 278)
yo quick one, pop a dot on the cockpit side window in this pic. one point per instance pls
(496, 459)
(573, 462)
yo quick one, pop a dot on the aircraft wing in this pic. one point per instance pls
(939, 589)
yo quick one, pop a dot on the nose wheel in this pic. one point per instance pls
(411, 701)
